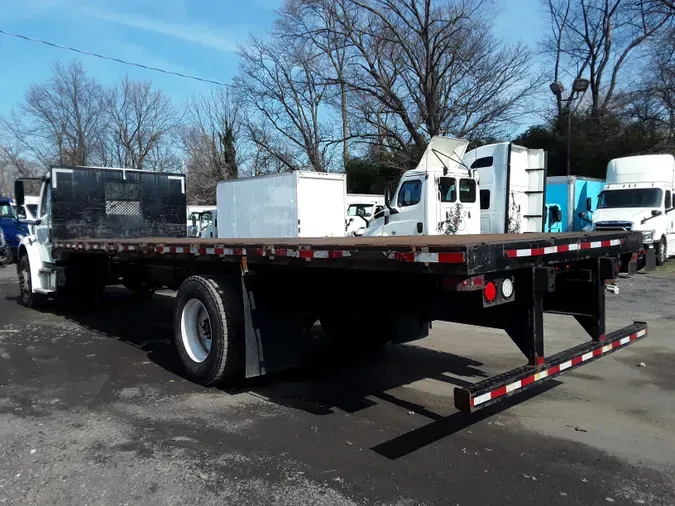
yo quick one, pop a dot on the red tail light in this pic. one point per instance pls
(490, 291)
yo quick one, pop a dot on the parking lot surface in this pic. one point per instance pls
(94, 410)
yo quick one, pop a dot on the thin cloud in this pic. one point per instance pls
(197, 34)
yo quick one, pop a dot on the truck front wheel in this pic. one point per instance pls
(661, 252)
(209, 330)
(28, 298)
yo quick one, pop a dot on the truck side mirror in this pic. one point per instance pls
(387, 199)
(656, 212)
(19, 197)
(589, 204)
(583, 215)
(554, 215)
(194, 220)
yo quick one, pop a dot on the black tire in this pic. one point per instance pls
(28, 298)
(6, 256)
(139, 287)
(661, 252)
(223, 304)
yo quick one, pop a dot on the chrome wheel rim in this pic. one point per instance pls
(196, 330)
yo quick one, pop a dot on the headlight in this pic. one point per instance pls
(648, 236)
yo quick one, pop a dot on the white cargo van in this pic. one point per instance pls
(292, 204)
(638, 196)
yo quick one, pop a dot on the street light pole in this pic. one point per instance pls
(580, 85)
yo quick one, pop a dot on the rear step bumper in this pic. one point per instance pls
(517, 380)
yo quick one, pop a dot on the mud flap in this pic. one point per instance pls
(650, 259)
(274, 334)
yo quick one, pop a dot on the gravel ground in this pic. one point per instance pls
(93, 410)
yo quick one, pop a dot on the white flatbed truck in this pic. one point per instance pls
(244, 306)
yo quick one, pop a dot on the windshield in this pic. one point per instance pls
(365, 210)
(635, 197)
(207, 218)
(6, 210)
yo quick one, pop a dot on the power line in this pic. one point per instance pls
(110, 58)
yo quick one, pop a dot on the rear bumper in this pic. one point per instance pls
(517, 380)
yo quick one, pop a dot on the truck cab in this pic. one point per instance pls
(438, 197)
(361, 208)
(12, 227)
(638, 196)
(512, 187)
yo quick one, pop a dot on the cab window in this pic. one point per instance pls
(410, 193)
(448, 188)
(467, 190)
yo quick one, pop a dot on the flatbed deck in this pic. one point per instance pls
(468, 254)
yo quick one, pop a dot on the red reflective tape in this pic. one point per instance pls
(585, 245)
(218, 251)
(597, 352)
(335, 254)
(402, 256)
(306, 253)
(498, 392)
(563, 248)
(537, 251)
(281, 252)
(540, 360)
(602, 337)
(606, 244)
(577, 360)
(260, 251)
(238, 251)
(456, 257)
(553, 370)
(511, 253)
(526, 381)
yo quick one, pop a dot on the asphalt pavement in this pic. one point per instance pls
(94, 410)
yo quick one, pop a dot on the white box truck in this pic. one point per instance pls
(292, 204)
(638, 196)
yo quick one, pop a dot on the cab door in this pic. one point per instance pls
(409, 206)
(459, 205)
(43, 228)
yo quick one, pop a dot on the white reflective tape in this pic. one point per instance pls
(210, 251)
(426, 257)
(550, 249)
(573, 247)
(607, 348)
(596, 244)
(166, 249)
(565, 365)
(514, 386)
(523, 252)
(482, 398)
(615, 242)
(540, 375)
(228, 251)
(625, 340)
(587, 356)
(641, 333)
(321, 254)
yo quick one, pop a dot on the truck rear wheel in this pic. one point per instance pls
(28, 298)
(209, 330)
(661, 252)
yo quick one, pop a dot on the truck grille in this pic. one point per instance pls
(605, 226)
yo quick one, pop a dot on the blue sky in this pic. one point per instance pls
(197, 37)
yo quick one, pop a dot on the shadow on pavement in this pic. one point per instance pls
(331, 378)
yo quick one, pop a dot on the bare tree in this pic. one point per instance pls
(316, 22)
(141, 123)
(60, 120)
(414, 69)
(281, 83)
(599, 39)
(211, 141)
